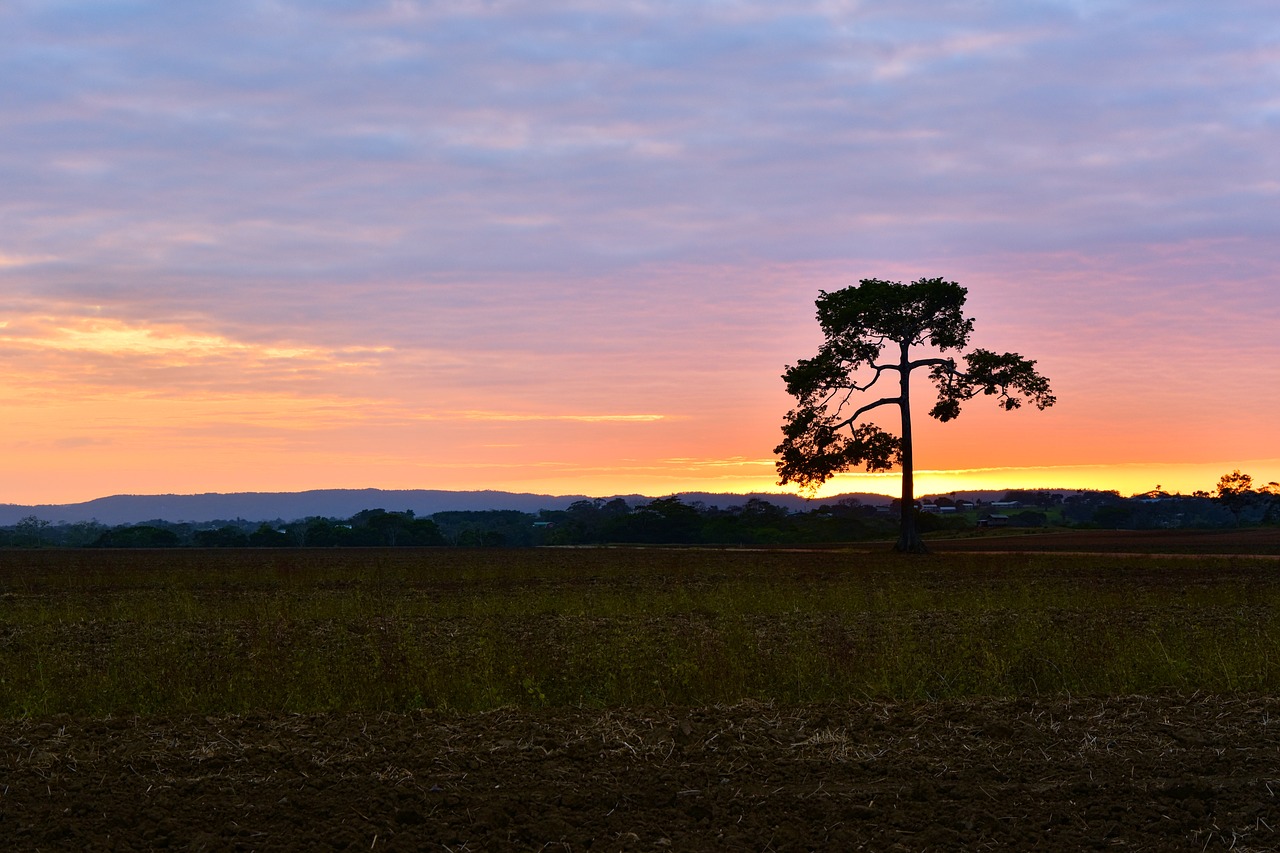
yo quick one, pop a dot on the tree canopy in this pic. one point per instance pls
(871, 330)
(1237, 493)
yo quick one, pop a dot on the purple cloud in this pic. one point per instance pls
(572, 198)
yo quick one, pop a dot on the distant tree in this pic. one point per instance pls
(1235, 492)
(845, 520)
(1114, 516)
(30, 530)
(488, 528)
(482, 539)
(227, 536)
(422, 531)
(81, 534)
(1032, 497)
(379, 527)
(267, 536)
(1233, 484)
(317, 532)
(137, 536)
(581, 522)
(616, 507)
(859, 324)
(665, 520)
(759, 521)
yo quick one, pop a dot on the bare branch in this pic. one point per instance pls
(885, 401)
(879, 368)
(934, 362)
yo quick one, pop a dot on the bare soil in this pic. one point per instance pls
(1255, 541)
(1134, 773)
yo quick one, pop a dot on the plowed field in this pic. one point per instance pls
(1134, 773)
(188, 659)
(1256, 541)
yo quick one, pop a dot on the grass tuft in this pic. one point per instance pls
(190, 632)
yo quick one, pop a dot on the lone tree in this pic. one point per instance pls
(871, 329)
(1237, 494)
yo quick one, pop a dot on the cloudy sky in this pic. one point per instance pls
(569, 247)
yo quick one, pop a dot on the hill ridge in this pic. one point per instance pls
(344, 503)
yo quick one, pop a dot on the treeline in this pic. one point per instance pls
(374, 527)
(588, 522)
(1236, 502)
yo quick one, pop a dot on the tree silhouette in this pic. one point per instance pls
(1237, 494)
(860, 323)
(1235, 483)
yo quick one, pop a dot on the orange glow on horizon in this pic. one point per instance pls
(265, 471)
(97, 406)
(594, 284)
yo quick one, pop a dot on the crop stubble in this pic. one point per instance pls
(1147, 773)
(1181, 768)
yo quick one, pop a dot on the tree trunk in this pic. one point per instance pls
(909, 541)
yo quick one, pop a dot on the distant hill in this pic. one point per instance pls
(344, 503)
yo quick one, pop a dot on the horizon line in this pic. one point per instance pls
(738, 493)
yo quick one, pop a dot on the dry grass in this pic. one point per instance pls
(304, 631)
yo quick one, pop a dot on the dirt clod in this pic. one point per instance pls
(1048, 774)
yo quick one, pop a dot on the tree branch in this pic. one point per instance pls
(884, 401)
(934, 362)
(879, 369)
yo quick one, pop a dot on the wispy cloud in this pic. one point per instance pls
(518, 417)
(94, 355)
(118, 338)
(470, 219)
(9, 261)
(736, 462)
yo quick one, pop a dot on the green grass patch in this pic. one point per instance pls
(207, 632)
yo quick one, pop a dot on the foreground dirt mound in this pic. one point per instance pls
(1138, 773)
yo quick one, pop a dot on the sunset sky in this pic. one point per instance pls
(569, 247)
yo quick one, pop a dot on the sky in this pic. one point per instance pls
(569, 247)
